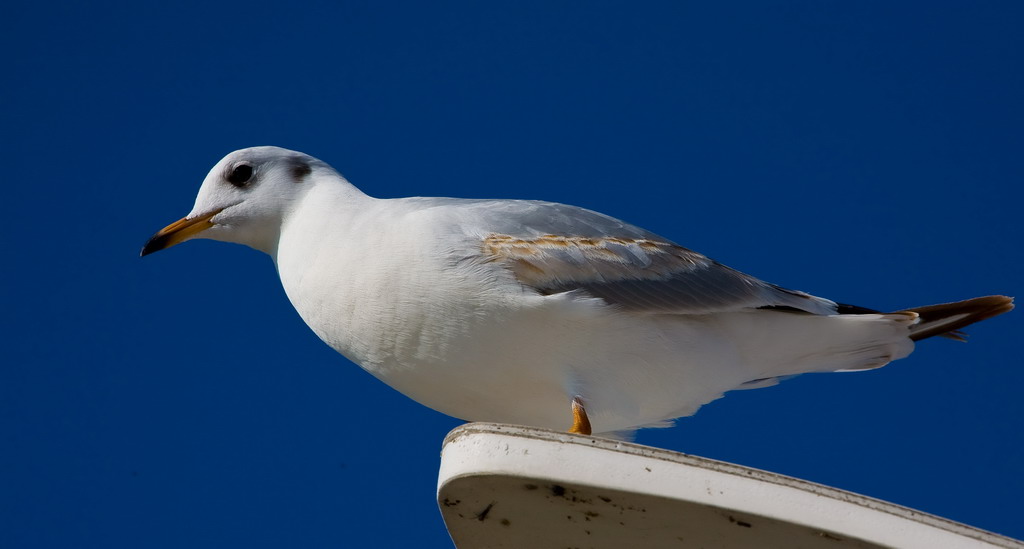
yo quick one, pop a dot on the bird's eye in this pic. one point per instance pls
(240, 175)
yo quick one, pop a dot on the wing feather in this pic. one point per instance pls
(554, 248)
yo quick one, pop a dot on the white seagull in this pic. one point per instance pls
(529, 312)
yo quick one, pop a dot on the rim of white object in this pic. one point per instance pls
(510, 486)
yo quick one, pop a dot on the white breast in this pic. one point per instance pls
(405, 305)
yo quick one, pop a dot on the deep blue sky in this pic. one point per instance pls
(866, 152)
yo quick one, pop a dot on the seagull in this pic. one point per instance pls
(534, 313)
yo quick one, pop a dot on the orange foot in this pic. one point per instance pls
(580, 421)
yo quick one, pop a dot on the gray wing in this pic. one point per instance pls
(556, 248)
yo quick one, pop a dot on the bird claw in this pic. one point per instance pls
(580, 421)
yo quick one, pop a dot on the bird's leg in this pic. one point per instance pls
(580, 421)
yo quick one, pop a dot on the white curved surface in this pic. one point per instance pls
(508, 486)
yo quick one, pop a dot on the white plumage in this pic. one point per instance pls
(503, 310)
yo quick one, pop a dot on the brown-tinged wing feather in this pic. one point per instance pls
(639, 274)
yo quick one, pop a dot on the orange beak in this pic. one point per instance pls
(178, 232)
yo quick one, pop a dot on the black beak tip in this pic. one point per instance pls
(154, 244)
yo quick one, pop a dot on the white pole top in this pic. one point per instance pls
(507, 486)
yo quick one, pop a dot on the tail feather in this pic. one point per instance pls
(946, 319)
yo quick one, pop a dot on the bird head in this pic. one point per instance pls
(244, 199)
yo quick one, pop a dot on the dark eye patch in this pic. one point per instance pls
(300, 170)
(240, 175)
